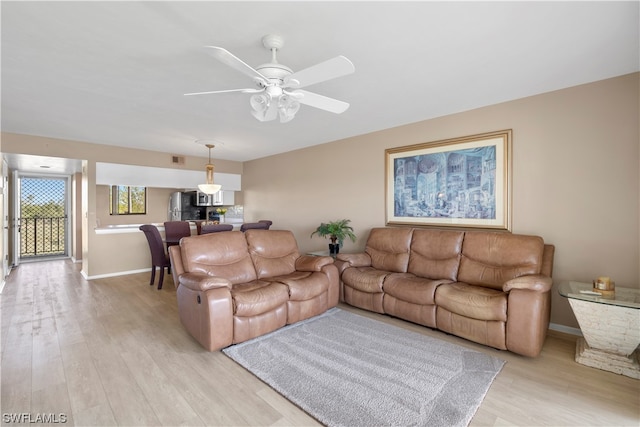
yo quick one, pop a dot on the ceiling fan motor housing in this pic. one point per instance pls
(274, 71)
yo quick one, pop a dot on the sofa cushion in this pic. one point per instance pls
(257, 297)
(365, 279)
(435, 254)
(274, 252)
(410, 288)
(487, 332)
(490, 259)
(474, 302)
(218, 254)
(389, 248)
(304, 285)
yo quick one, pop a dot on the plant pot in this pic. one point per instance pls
(334, 249)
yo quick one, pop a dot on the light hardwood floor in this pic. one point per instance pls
(112, 352)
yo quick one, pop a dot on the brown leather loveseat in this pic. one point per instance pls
(234, 286)
(489, 287)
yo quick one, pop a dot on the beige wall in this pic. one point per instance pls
(3, 250)
(576, 182)
(575, 179)
(108, 254)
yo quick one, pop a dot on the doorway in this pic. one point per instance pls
(42, 217)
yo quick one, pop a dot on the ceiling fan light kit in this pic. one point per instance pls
(209, 187)
(278, 93)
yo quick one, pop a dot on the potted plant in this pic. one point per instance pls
(221, 212)
(337, 232)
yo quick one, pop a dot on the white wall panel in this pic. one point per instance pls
(145, 176)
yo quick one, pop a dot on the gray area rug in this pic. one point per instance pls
(349, 370)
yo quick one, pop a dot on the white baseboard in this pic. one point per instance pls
(566, 329)
(75, 261)
(118, 273)
(4, 279)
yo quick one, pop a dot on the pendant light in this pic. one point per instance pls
(209, 187)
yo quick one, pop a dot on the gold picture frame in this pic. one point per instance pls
(461, 182)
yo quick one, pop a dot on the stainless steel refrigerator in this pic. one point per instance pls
(181, 207)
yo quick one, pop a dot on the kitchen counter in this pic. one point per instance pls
(134, 228)
(122, 249)
(128, 228)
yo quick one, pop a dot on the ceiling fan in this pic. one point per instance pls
(278, 89)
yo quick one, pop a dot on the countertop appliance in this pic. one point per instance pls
(203, 199)
(221, 198)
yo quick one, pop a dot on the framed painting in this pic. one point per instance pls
(461, 182)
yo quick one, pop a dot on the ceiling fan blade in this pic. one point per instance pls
(225, 91)
(327, 70)
(322, 102)
(228, 58)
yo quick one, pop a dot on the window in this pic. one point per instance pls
(126, 200)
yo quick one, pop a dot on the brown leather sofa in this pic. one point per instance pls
(489, 287)
(234, 286)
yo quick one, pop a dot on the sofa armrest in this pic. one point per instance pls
(312, 263)
(536, 282)
(528, 321)
(203, 282)
(208, 316)
(177, 267)
(356, 260)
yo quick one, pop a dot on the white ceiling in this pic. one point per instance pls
(115, 72)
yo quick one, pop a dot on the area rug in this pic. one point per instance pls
(349, 370)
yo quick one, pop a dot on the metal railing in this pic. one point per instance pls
(42, 236)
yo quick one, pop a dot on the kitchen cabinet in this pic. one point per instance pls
(223, 198)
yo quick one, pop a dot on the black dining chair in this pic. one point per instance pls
(254, 225)
(215, 228)
(267, 221)
(159, 258)
(174, 231)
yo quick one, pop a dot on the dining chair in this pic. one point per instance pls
(214, 228)
(267, 221)
(199, 226)
(174, 231)
(254, 225)
(159, 258)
